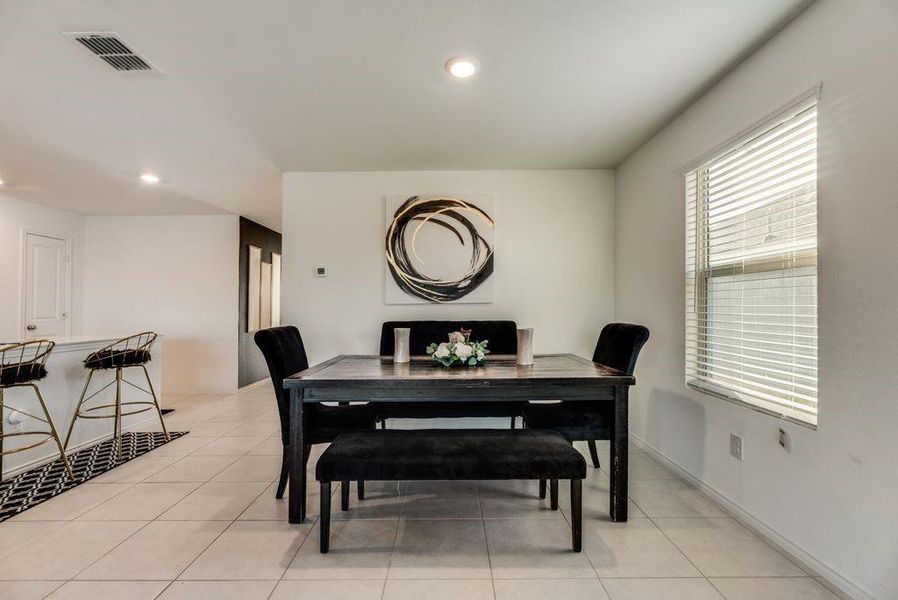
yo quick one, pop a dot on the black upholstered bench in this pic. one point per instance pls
(440, 454)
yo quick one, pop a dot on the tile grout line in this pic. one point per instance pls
(486, 539)
(673, 543)
(62, 522)
(231, 523)
(163, 590)
(138, 530)
(727, 514)
(404, 497)
(305, 538)
(147, 523)
(728, 517)
(629, 499)
(130, 485)
(585, 552)
(716, 589)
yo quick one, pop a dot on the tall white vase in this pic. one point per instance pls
(525, 347)
(401, 345)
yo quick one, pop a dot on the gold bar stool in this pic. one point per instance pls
(21, 365)
(132, 351)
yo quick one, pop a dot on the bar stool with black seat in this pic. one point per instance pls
(285, 355)
(618, 347)
(23, 365)
(126, 353)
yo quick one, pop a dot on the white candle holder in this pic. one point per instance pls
(401, 345)
(525, 347)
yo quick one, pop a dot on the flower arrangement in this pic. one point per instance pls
(459, 350)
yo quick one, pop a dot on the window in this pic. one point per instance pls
(751, 267)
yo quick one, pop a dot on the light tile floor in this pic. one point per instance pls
(197, 519)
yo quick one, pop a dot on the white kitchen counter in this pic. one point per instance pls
(61, 390)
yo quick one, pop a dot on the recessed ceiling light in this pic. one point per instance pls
(149, 178)
(462, 67)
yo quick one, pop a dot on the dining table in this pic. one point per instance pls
(378, 379)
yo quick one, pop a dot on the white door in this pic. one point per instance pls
(46, 289)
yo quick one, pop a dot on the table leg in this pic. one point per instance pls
(619, 460)
(297, 496)
(577, 514)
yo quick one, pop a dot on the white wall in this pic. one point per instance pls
(16, 216)
(554, 255)
(176, 275)
(835, 496)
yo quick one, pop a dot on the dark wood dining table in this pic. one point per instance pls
(564, 377)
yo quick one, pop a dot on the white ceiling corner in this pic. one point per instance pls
(253, 89)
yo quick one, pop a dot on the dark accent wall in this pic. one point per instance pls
(250, 364)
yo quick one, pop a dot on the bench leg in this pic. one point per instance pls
(577, 514)
(514, 421)
(542, 489)
(324, 522)
(361, 490)
(594, 454)
(344, 496)
(553, 494)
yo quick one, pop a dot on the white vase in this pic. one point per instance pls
(400, 345)
(525, 347)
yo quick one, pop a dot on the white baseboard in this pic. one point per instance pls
(198, 390)
(843, 584)
(249, 386)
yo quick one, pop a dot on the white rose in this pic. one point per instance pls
(463, 351)
(456, 337)
(442, 350)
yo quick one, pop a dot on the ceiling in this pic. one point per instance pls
(251, 89)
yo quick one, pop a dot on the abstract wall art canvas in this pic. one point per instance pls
(263, 300)
(440, 249)
(254, 290)
(275, 289)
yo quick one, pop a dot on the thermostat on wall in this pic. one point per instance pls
(321, 271)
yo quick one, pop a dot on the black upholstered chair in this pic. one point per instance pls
(618, 347)
(502, 336)
(285, 354)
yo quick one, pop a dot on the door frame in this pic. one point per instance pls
(23, 267)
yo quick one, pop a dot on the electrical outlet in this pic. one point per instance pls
(736, 446)
(785, 440)
(14, 422)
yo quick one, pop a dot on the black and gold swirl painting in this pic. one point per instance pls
(440, 249)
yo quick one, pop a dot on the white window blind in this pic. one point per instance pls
(751, 268)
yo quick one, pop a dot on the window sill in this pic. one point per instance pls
(718, 394)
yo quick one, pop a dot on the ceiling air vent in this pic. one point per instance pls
(109, 48)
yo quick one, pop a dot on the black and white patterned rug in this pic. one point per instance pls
(32, 487)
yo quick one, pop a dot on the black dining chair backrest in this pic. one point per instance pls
(285, 354)
(502, 335)
(619, 346)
